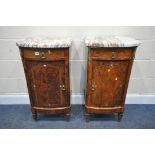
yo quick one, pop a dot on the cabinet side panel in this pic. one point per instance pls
(67, 76)
(89, 78)
(128, 76)
(28, 79)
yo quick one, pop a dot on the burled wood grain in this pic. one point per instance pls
(107, 79)
(47, 80)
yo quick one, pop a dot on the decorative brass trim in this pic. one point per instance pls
(93, 87)
(62, 87)
(51, 108)
(100, 108)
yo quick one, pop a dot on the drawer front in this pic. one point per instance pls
(113, 54)
(38, 54)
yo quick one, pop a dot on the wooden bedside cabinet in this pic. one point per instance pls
(109, 66)
(46, 66)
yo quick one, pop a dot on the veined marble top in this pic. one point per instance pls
(111, 41)
(45, 43)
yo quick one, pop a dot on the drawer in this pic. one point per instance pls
(38, 54)
(112, 54)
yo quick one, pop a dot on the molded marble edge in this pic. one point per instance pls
(45, 43)
(111, 41)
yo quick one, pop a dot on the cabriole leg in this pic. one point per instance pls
(87, 116)
(34, 114)
(68, 116)
(120, 115)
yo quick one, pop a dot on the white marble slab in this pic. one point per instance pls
(111, 41)
(45, 43)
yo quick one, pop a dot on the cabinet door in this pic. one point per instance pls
(47, 82)
(108, 79)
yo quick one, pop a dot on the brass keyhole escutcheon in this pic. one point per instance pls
(43, 55)
(113, 55)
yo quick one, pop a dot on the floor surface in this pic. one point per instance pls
(138, 116)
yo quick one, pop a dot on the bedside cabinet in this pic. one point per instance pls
(109, 66)
(46, 66)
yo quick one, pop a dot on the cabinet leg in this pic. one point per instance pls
(120, 115)
(34, 115)
(68, 116)
(87, 117)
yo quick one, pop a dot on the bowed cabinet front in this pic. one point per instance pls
(47, 75)
(108, 73)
